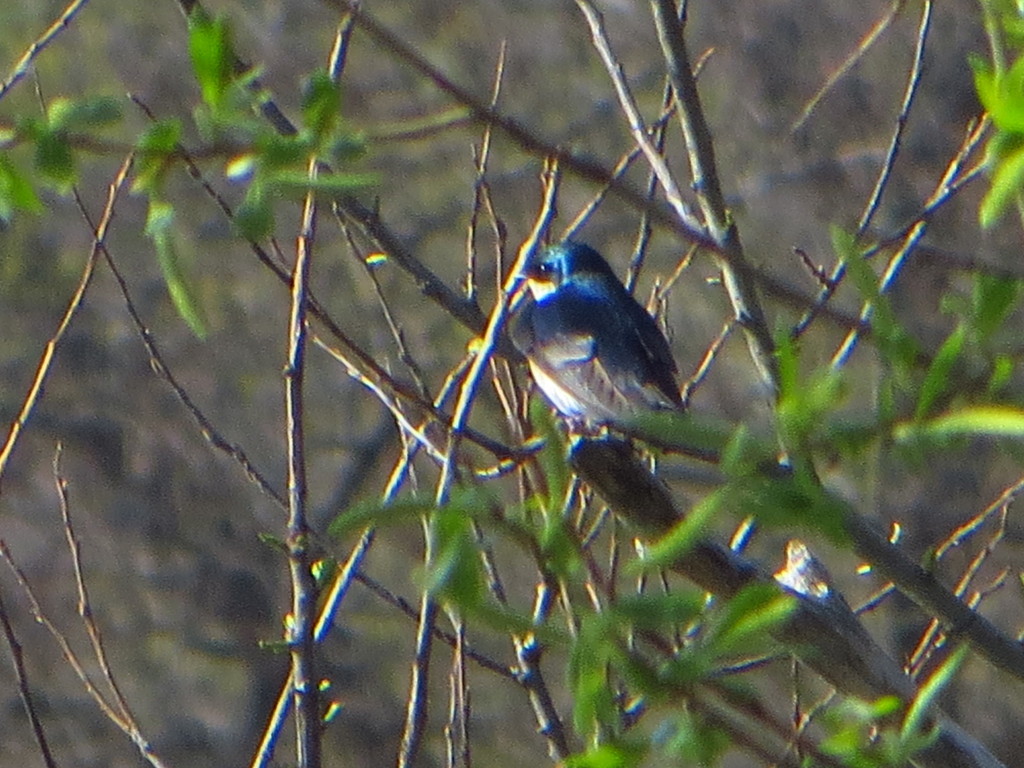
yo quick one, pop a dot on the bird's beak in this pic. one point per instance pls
(540, 286)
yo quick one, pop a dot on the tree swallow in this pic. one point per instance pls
(595, 353)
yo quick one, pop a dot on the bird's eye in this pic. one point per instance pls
(545, 268)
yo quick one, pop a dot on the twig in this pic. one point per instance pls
(913, 81)
(39, 45)
(24, 692)
(866, 42)
(618, 171)
(943, 191)
(305, 684)
(430, 285)
(397, 333)
(46, 359)
(884, 174)
(645, 228)
(418, 433)
(968, 529)
(125, 725)
(515, 131)
(528, 653)
(84, 605)
(457, 728)
(403, 605)
(415, 712)
(691, 384)
(207, 429)
(416, 702)
(481, 189)
(350, 571)
(737, 273)
(124, 720)
(36, 608)
(636, 121)
(932, 638)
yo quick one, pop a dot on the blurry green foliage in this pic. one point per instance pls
(271, 165)
(999, 80)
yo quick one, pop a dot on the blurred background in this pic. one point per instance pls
(182, 587)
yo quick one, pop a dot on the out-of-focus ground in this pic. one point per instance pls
(182, 588)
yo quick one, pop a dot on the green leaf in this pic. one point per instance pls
(1004, 189)
(803, 408)
(55, 160)
(896, 345)
(159, 228)
(65, 114)
(788, 502)
(671, 547)
(788, 364)
(274, 151)
(154, 150)
(455, 570)
(937, 379)
(748, 615)
(330, 185)
(16, 192)
(745, 454)
(1002, 369)
(658, 610)
(690, 432)
(254, 218)
(377, 513)
(926, 697)
(1002, 96)
(551, 457)
(274, 646)
(273, 541)
(984, 81)
(696, 742)
(596, 645)
(209, 45)
(321, 105)
(853, 733)
(344, 149)
(992, 299)
(559, 547)
(612, 755)
(973, 421)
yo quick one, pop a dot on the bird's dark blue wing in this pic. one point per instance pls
(594, 357)
(660, 364)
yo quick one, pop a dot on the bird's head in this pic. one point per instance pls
(550, 268)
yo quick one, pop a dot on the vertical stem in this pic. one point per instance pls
(300, 635)
(736, 273)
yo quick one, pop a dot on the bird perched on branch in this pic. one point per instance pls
(594, 352)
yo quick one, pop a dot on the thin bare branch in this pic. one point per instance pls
(457, 728)
(738, 275)
(45, 361)
(23, 65)
(24, 692)
(528, 652)
(481, 189)
(943, 191)
(305, 683)
(691, 384)
(913, 81)
(636, 122)
(858, 53)
(831, 284)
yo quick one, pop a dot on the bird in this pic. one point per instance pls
(593, 351)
